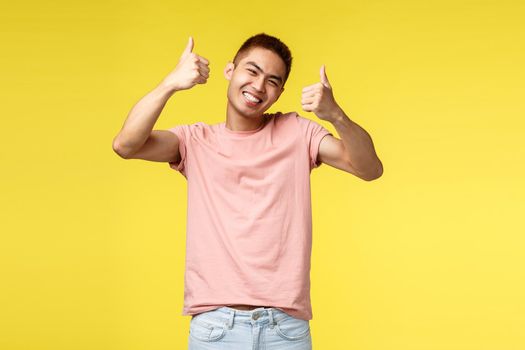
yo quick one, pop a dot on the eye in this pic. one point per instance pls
(273, 83)
(251, 71)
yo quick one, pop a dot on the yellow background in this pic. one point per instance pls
(428, 257)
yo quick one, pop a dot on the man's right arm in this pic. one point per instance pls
(136, 138)
(160, 146)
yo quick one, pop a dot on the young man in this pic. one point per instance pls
(249, 226)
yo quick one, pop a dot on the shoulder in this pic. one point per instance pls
(293, 120)
(295, 116)
(197, 128)
(305, 124)
(285, 118)
(281, 115)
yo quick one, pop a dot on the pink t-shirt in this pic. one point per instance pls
(249, 219)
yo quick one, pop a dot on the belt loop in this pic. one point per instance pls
(270, 314)
(230, 319)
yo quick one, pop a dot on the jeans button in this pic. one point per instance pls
(256, 315)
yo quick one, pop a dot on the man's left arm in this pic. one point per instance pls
(354, 152)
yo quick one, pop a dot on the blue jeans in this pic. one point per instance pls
(259, 329)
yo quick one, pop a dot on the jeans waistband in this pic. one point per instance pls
(227, 316)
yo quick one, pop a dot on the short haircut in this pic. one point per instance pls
(268, 42)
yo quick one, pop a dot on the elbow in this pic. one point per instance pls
(119, 150)
(376, 174)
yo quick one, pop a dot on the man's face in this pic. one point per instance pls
(256, 82)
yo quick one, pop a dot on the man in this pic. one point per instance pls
(249, 222)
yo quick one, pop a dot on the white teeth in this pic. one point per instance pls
(251, 97)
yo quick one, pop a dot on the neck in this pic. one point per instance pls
(238, 122)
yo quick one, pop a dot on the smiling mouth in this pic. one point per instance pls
(252, 100)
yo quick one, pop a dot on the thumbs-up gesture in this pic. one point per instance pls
(192, 69)
(318, 98)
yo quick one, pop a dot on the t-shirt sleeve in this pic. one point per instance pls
(182, 132)
(313, 133)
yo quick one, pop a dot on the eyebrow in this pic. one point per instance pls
(259, 68)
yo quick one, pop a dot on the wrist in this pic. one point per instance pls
(338, 116)
(165, 89)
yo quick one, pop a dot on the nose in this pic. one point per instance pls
(258, 84)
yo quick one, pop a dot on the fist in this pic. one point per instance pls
(192, 69)
(319, 98)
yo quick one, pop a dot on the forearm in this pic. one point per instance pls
(141, 119)
(358, 145)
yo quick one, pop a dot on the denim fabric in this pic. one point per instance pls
(259, 329)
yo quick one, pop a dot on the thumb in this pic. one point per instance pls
(324, 78)
(188, 48)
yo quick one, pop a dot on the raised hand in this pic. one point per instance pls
(319, 98)
(192, 69)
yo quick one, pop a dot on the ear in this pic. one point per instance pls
(228, 70)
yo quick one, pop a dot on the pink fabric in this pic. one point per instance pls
(249, 220)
